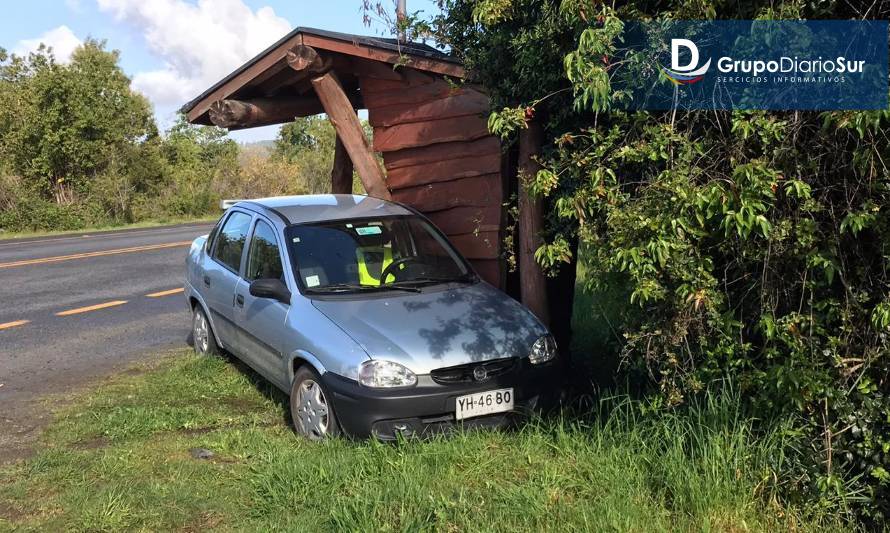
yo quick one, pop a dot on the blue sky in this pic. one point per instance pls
(173, 49)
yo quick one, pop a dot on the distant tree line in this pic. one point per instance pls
(79, 147)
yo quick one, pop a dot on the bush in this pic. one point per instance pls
(749, 245)
(24, 208)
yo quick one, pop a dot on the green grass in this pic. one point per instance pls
(118, 458)
(164, 221)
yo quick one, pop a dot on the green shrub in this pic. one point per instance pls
(749, 245)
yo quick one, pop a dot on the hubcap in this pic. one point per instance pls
(312, 410)
(201, 333)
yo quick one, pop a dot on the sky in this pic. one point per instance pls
(175, 49)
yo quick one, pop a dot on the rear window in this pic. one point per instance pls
(231, 239)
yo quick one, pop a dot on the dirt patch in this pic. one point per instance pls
(28, 411)
(21, 425)
(92, 444)
(242, 405)
(206, 522)
(10, 513)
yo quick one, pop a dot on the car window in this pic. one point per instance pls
(372, 252)
(264, 260)
(212, 236)
(230, 241)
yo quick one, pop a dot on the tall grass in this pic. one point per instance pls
(119, 459)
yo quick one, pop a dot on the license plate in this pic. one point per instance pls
(484, 403)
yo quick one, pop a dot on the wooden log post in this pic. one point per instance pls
(533, 282)
(305, 59)
(341, 174)
(349, 131)
(236, 114)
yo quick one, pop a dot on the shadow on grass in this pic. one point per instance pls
(260, 383)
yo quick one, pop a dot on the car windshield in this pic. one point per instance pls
(375, 254)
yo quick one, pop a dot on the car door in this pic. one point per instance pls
(222, 274)
(262, 321)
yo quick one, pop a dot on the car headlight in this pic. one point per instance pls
(384, 374)
(543, 350)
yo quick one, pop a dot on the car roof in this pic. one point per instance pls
(324, 207)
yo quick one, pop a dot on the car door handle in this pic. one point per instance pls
(207, 280)
(239, 300)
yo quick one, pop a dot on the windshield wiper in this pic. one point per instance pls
(466, 278)
(343, 287)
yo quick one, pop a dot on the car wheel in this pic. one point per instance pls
(202, 336)
(310, 407)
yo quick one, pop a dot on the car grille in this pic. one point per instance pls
(464, 373)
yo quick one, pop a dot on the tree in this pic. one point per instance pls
(308, 142)
(748, 245)
(61, 125)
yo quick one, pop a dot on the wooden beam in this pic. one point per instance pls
(424, 155)
(237, 114)
(533, 283)
(438, 66)
(224, 90)
(445, 170)
(341, 174)
(414, 134)
(460, 105)
(478, 191)
(302, 58)
(349, 130)
(298, 80)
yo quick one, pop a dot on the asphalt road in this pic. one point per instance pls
(79, 306)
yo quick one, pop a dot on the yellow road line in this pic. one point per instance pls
(59, 258)
(8, 325)
(165, 293)
(91, 308)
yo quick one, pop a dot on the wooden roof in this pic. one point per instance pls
(267, 75)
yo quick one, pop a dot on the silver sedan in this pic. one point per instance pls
(364, 313)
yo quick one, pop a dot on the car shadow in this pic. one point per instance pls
(261, 384)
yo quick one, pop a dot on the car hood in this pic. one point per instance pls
(437, 328)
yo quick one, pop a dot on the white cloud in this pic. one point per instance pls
(74, 5)
(199, 43)
(62, 40)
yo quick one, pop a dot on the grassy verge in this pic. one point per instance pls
(4, 235)
(119, 458)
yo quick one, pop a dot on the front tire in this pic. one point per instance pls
(310, 407)
(203, 339)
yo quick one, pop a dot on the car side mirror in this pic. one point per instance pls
(273, 289)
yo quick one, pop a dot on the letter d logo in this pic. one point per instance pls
(688, 73)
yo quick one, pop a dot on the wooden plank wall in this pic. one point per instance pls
(440, 158)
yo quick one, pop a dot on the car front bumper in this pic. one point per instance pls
(429, 407)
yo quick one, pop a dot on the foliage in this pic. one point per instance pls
(308, 143)
(62, 125)
(626, 468)
(751, 245)
(79, 148)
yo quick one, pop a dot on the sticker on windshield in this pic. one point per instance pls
(312, 281)
(369, 230)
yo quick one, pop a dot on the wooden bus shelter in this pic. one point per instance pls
(429, 126)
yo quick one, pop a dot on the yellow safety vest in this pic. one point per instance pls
(365, 277)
